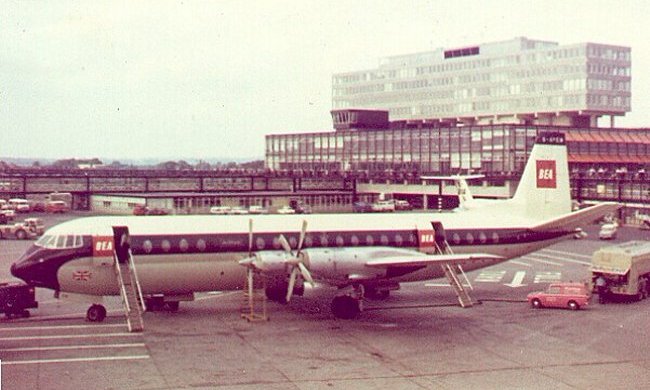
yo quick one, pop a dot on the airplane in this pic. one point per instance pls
(361, 254)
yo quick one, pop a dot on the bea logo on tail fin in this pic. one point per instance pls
(546, 174)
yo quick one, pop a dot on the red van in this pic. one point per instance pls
(563, 295)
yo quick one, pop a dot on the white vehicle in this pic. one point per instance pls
(383, 206)
(9, 214)
(238, 210)
(220, 210)
(359, 254)
(3, 204)
(286, 210)
(257, 210)
(608, 231)
(19, 205)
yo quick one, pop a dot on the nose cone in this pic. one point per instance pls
(19, 270)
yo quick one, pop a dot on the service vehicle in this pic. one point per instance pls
(35, 225)
(16, 298)
(383, 206)
(56, 206)
(561, 295)
(220, 210)
(19, 230)
(608, 231)
(8, 214)
(625, 268)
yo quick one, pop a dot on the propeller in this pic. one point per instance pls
(296, 261)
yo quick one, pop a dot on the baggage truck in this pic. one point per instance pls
(16, 298)
(625, 269)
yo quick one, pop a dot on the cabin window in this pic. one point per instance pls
(399, 240)
(354, 240)
(147, 246)
(482, 237)
(200, 245)
(293, 242)
(495, 237)
(384, 239)
(323, 240)
(456, 238)
(470, 238)
(259, 243)
(308, 241)
(369, 240)
(183, 245)
(412, 239)
(166, 246)
(60, 242)
(276, 243)
(340, 241)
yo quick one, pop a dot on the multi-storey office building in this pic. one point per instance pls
(362, 142)
(517, 81)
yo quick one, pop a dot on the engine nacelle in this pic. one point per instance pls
(271, 262)
(340, 263)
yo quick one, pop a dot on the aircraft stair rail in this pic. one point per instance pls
(130, 290)
(450, 270)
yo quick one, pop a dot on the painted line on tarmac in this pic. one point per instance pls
(545, 261)
(74, 360)
(520, 263)
(18, 329)
(71, 336)
(556, 257)
(567, 253)
(75, 347)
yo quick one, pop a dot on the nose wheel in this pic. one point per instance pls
(348, 306)
(96, 313)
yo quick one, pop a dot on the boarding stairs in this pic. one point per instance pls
(452, 270)
(253, 306)
(129, 284)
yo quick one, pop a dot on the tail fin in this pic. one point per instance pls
(543, 190)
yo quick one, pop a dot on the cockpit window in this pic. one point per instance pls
(60, 242)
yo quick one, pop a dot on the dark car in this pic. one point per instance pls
(362, 207)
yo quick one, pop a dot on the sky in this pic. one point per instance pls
(208, 79)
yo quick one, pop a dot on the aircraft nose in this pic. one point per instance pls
(18, 271)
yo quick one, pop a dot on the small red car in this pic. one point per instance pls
(563, 295)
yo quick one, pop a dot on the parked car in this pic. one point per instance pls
(254, 209)
(403, 205)
(383, 206)
(56, 206)
(579, 234)
(19, 205)
(238, 210)
(220, 210)
(303, 209)
(362, 207)
(8, 214)
(286, 210)
(608, 231)
(562, 295)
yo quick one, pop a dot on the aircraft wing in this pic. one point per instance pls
(578, 218)
(424, 260)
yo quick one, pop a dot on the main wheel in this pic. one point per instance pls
(345, 307)
(536, 303)
(96, 313)
(573, 305)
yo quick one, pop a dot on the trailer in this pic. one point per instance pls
(624, 269)
(16, 298)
